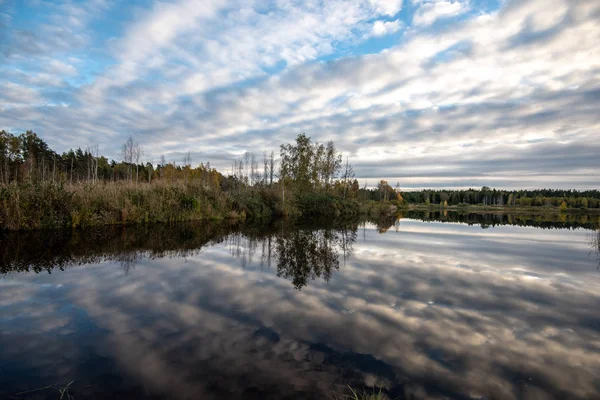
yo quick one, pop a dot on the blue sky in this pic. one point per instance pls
(428, 93)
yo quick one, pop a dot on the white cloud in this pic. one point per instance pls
(233, 43)
(381, 28)
(13, 95)
(387, 7)
(430, 11)
(60, 68)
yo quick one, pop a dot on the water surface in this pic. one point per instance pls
(422, 309)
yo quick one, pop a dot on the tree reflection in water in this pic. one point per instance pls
(305, 254)
(300, 254)
(423, 323)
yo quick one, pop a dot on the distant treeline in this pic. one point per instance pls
(27, 158)
(486, 220)
(492, 197)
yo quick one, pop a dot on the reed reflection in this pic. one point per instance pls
(595, 245)
(299, 253)
(40, 251)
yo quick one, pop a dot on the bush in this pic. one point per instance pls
(317, 204)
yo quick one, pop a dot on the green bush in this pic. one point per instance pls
(317, 204)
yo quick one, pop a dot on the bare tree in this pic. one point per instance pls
(240, 170)
(92, 153)
(347, 176)
(138, 154)
(132, 152)
(265, 177)
(332, 164)
(271, 167)
(254, 175)
(247, 164)
(128, 153)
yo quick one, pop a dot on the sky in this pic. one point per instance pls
(427, 93)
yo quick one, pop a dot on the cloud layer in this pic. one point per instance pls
(427, 93)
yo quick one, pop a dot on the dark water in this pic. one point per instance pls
(422, 309)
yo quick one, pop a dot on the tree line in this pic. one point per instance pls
(303, 166)
(564, 198)
(27, 158)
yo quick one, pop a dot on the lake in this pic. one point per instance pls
(422, 307)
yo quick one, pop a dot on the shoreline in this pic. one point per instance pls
(480, 209)
(26, 207)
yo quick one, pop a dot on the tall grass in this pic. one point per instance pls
(49, 205)
(35, 206)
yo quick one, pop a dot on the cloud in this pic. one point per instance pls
(387, 7)
(381, 28)
(218, 79)
(61, 29)
(430, 11)
(60, 68)
(13, 95)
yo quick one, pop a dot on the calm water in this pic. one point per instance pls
(423, 309)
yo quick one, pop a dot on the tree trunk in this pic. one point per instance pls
(283, 196)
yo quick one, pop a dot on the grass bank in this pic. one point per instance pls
(36, 206)
(48, 205)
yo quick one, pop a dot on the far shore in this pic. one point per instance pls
(502, 209)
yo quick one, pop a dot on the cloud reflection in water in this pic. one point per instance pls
(431, 310)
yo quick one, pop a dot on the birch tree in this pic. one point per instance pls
(128, 153)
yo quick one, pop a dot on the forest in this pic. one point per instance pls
(41, 188)
(512, 198)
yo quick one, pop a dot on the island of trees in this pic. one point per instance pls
(40, 188)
